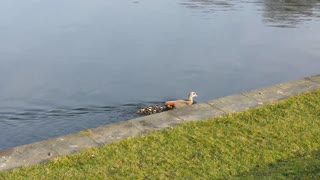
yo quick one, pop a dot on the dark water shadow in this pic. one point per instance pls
(305, 166)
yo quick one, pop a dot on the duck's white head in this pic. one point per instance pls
(193, 94)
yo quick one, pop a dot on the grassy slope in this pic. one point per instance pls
(279, 140)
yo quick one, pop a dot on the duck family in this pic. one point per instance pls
(168, 105)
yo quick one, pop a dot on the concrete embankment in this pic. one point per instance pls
(44, 150)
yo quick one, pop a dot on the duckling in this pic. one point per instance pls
(181, 103)
(150, 109)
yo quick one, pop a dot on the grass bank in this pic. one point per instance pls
(280, 140)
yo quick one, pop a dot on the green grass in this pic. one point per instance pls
(280, 140)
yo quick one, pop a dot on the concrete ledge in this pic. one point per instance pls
(69, 144)
(268, 94)
(26, 155)
(299, 86)
(315, 78)
(197, 112)
(156, 121)
(234, 103)
(42, 151)
(113, 132)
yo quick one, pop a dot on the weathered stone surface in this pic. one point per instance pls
(196, 112)
(299, 86)
(5, 157)
(156, 121)
(5, 153)
(113, 132)
(29, 154)
(234, 103)
(70, 143)
(315, 78)
(268, 94)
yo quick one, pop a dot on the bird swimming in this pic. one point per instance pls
(151, 109)
(168, 105)
(180, 102)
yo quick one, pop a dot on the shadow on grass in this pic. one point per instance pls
(302, 166)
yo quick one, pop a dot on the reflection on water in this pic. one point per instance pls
(289, 13)
(208, 6)
(277, 13)
(70, 65)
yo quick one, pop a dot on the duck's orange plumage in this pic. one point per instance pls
(170, 103)
(177, 103)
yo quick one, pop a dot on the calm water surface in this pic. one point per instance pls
(70, 65)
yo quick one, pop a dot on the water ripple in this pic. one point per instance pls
(210, 5)
(125, 111)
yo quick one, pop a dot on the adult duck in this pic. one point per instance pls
(180, 102)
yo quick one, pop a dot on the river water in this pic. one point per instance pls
(70, 65)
